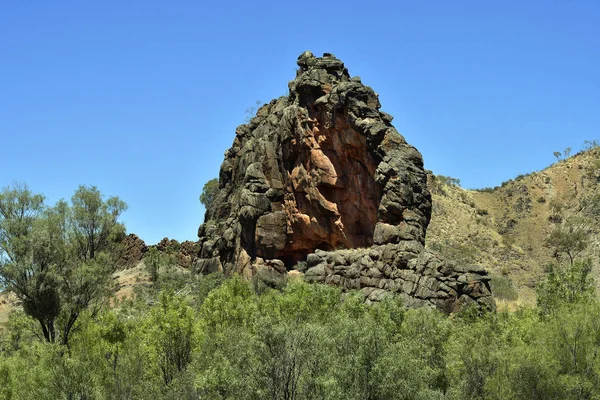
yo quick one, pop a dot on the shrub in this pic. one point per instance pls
(440, 183)
(448, 180)
(209, 193)
(503, 288)
(154, 260)
(565, 284)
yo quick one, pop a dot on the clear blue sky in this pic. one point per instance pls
(141, 98)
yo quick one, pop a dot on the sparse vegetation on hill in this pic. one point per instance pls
(517, 229)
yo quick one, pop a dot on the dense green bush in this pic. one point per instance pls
(210, 190)
(306, 342)
(208, 337)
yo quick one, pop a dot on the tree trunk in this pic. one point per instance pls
(68, 327)
(45, 330)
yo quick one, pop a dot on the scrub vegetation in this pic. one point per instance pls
(216, 338)
(180, 335)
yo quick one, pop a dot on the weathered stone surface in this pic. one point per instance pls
(134, 249)
(322, 176)
(185, 253)
(431, 289)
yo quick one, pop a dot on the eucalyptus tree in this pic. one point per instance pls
(58, 260)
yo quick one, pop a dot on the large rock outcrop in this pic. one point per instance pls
(321, 181)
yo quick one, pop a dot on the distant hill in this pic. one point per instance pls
(504, 229)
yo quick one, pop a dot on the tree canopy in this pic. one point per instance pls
(209, 193)
(58, 260)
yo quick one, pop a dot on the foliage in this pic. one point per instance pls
(590, 144)
(442, 181)
(93, 221)
(154, 260)
(568, 281)
(250, 112)
(307, 341)
(57, 260)
(590, 205)
(171, 324)
(448, 180)
(558, 155)
(565, 284)
(209, 193)
(191, 337)
(569, 239)
(503, 288)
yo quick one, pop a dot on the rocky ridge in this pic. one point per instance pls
(135, 249)
(320, 181)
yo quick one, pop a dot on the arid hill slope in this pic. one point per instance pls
(504, 229)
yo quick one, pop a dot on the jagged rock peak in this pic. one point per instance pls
(316, 174)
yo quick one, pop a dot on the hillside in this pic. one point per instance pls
(504, 228)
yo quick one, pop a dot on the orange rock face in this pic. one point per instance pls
(332, 198)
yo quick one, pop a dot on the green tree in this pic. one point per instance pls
(171, 333)
(154, 260)
(27, 255)
(209, 193)
(565, 284)
(58, 260)
(6, 381)
(573, 339)
(557, 154)
(19, 209)
(94, 221)
(93, 232)
(227, 356)
(569, 239)
(568, 281)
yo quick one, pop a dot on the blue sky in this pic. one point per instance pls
(141, 98)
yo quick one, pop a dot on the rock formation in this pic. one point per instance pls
(184, 253)
(134, 249)
(321, 181)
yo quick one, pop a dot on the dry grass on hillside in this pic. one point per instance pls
(504, 229)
